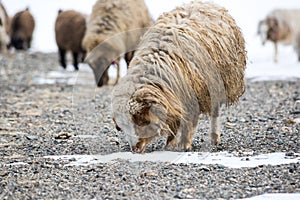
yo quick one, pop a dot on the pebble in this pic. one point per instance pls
(204, 168)
(31, 137)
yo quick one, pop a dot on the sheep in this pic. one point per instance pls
(191, 61)
(21, 30)
(297, 45)
(280, 26)
(110, 18)
(70, 27)
(4, 29)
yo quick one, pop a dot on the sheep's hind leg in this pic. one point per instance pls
(215, 126)
(75, 60)
(62, 55)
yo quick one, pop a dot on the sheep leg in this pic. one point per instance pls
(215, 125)
(128, 57)
(276, 52)
(141, 145)
(75, 60)
(117, 63)
(62, 55)
(171, 136)
(29, 43)
(186, 137)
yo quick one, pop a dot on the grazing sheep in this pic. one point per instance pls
(21, 30)
(4, 29)
(280, 26)
(110, 18)
(297, 45)
(190, 62)
(70, 27)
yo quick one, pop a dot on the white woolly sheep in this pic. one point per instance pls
(190, 62)
(280, 26)
(4, 29)
(108, 18)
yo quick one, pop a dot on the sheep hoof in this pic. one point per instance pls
(170, 147)
(136, 149)
(215, 139)
(139, 147)
(184, 146)
(171, 144)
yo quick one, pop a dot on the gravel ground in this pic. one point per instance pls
(38, 120)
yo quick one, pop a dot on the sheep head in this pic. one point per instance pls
(151, 111)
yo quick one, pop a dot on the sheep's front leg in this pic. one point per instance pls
(186, 137)
(215, 125)
(275, 52)
(171, 142)
(141, 145)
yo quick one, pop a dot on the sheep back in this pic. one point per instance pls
(196, 49)
(21, 31)
(110, 17)
(70, 27)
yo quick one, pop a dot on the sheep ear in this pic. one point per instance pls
(139, 111)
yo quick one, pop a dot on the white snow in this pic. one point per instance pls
(276, 196)
(223, 158)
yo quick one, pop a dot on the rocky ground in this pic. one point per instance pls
(38, 120)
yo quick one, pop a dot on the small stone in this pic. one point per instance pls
(149, 174)
(63, 135)
(204, 168)
(230, 125)
(289, 154)
(31, 137)
(220, 166)
(289, 121)
(243, 120)
(279, 142)
(114, 140)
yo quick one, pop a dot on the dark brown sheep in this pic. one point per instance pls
(21, 30)
(70, 27)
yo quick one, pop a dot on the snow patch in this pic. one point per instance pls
(222, 158)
